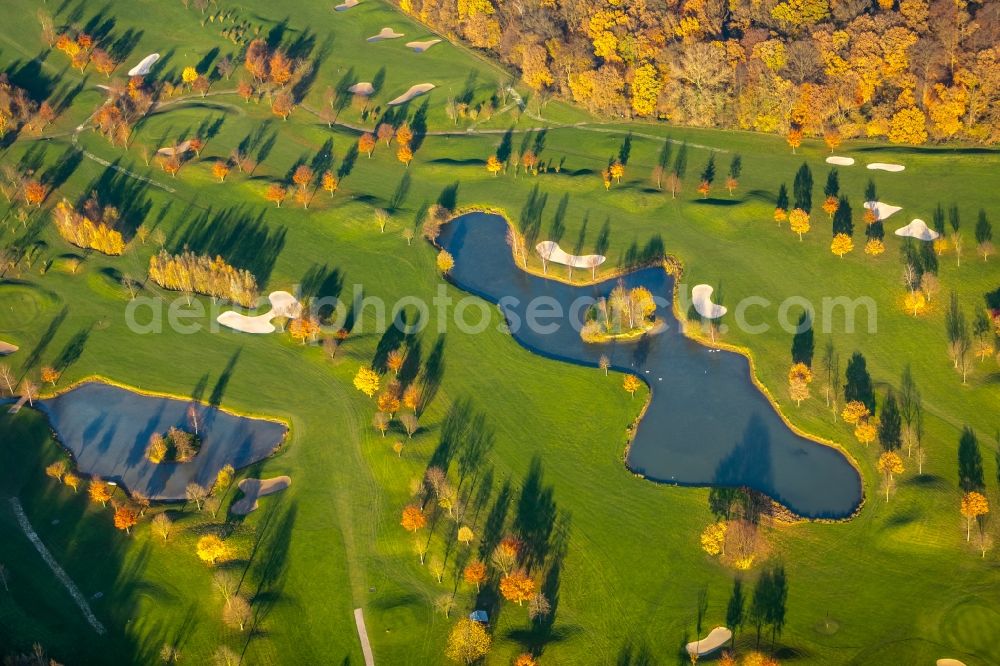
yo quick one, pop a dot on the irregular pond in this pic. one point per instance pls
(107, 429)
(706, 424)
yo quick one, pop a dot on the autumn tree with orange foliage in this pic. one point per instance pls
(474, 574)
(282, 105)
(404, 154)
(281, 68)
(794, 138)
(304, 328)
(404, 134)
(50, 375)
(126, 518)
(367, 143)
(303, 176)
(220, 170)
(276, 193)
(413, 518)
(832, 138)
(517, 586)
(35, 193)
(99, 491)
(329, 182)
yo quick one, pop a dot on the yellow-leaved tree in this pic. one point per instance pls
(974, 505)
(841, 245)
(798, 220)
(713, 538)
(212, 549)
(646, 87)
(445, 262)
(889, 464)
(468, 642)
(367, 381)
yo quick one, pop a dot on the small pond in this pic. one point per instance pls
(107, 429)
(707, 423)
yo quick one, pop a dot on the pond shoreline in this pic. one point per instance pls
(227, 437)
(672, 268)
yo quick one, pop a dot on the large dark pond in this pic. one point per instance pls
(108, 428)
(707, 423)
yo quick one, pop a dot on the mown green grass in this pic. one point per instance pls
(897, 580)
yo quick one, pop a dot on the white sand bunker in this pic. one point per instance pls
(841, 161)
(918, 229)
(414, 91)
(345, 5)
(715, 639)
(146, 64)
(283, 304)
(420, 47)
(255, 488)
(701, 298)
(881, 210)
(385, 33)
(949, 662)
(363, 88)
(179, 149)
(882, 166)
(550, 251)
(7, 348)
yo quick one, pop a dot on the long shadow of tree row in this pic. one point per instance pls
(129, 195)
(238, 234)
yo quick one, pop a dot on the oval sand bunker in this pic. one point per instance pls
(363, 88)
(414, 91)
(883, 166)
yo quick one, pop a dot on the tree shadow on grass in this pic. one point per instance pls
(433, 372)
(322, 286)
(239, 235)
(631, 654)
(268, 567)
(64, 167)
(222, 383)
(128, 195)
(71, 353)
(45, 340)
(713, 201)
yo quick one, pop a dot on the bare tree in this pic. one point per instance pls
(29, 391)
(224, 656)
(910, 277)
(226, 582)
(169, 654)
(162, 526)
(381, 219)
(410, 423)
(131, 285)
(7, 376)
(236, 612)
(196, 494)
(225, 67)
